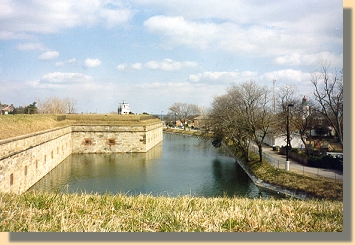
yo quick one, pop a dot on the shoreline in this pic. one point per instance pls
(301, 195)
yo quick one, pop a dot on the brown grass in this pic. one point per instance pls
(59, 212)
(16, 125)
(21, 124)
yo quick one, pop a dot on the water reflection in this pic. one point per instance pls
(181, 165)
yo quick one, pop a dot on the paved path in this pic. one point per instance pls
(279, 161)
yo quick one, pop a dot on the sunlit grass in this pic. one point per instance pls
(60, 212)
(316, 186)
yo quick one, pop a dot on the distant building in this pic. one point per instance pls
(279, 139)
(124, 109)
(6, 109)
(201, 121)
(305, 108)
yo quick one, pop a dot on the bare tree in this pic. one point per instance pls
(227, 126)
(286, 96)
(52, 105)
(328, 94)
(302, 120)
(184, 111)
(243, 115)
(70, 104)
(253, 107)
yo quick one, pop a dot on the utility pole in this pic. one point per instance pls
(273, 96)
(287, 164)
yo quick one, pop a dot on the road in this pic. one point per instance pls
(280, 160)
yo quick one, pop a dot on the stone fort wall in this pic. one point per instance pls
(26, 159)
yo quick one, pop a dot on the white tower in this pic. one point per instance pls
(305, 108)
(123, 109)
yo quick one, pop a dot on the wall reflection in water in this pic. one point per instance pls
(180, 165)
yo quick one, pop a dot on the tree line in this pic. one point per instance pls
(52, 105)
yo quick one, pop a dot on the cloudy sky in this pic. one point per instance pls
(153, 53)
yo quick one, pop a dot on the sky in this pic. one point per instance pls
(154, 53)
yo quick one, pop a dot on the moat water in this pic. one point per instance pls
(180, 165)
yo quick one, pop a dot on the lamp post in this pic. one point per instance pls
(287, 164)
(175, 119)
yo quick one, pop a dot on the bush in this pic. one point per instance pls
(326, 161)
(295, 150)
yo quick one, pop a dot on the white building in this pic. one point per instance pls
(123, 109)
(278, 139)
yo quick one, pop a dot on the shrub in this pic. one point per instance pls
(326, 161)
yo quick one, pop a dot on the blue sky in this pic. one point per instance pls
(153, 53)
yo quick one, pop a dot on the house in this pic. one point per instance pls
(6, 109)
(179, 123)
(201, 121)
(279, 139)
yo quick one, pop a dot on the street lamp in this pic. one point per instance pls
(287, 164)
(175, 119)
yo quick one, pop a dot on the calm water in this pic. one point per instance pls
(180, 165)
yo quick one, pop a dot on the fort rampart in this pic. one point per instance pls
(26, 159)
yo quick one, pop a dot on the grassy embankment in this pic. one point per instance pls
(58, 212)
(74, 212)
(16, 125)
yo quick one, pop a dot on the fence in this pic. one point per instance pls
(297, 168)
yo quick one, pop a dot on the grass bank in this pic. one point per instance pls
(58, 212)
(21, 124)
(315, 186)
(185, 132)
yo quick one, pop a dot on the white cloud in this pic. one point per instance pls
(8, 35)
(287, 76)
(42, 16)
(61, 63)
(222, 77)
(137, 66)
(92, 62)
(122, 67)
(72, 60)
(114, 17)
(169, 65)
(181, 31)
(64, 78)
(275, 28)
(31, 46)
(244, 11)
(297, 59)
(49, 55)
(165, 65)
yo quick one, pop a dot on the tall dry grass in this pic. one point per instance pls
(58, 212)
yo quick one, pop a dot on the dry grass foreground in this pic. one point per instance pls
(62, 212)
